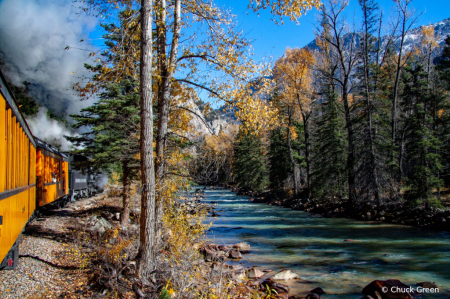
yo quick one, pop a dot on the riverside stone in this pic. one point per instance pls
(318, 291)
(242, 247)
(274, 285)
(285, 274)
(388, 289)
(235, 254)
(254, 273)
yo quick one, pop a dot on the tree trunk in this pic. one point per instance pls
(126, 190)
(164, 89)
(351, 148)
(373, 168)
(308, 162)
(397, 76)
(147, 246)
(291, 156)
(167, 66)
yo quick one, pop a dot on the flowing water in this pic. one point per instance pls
(314, 247)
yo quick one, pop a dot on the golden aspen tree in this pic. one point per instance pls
(293, 77)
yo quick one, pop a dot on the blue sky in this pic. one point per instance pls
(271, 39)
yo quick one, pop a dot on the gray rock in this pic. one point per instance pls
(254, 273)
(242, 247)
(285, 275)
(318, 291)
(235, 254)
(99, 225)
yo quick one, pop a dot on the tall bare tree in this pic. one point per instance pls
(332, 13)
(402, 24)
(147, 246)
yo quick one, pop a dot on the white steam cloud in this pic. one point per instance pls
(49, 130)
(33, 36)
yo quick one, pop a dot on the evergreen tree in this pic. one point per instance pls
(329, 159)
(422, 145)
(249, 165)
(113, 137)
(442, 115)
(280, 167)
(444, 63)
(367, 170)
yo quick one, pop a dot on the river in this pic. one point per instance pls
(314, 247)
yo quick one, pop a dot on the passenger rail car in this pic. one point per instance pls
(33, 174)
(17, 175)
(52, 170)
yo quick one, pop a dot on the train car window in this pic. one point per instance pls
(53, 167)
(58, 171)
(47, 177)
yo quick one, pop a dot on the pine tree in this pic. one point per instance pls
(444, 63)
(329, 159)
(371, 127)
(249, 165)
(280, 167)
(443, 116)
(422, 145)
(113, 136)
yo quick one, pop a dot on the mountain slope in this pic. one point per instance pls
(441, 30)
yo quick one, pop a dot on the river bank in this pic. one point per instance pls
(437, 218)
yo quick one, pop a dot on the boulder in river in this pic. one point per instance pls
(254, 273)
(319, 291)
(285, 275)
(312, 296)
(242, 247)
(235, 254)
(388, 289)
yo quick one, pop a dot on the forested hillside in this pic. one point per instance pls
(361, 117)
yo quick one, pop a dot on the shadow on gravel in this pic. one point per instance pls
(38, 232)
(94, 211)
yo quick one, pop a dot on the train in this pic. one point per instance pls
(33, 174)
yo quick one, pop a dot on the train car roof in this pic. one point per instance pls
(50, 149)
(11, 100)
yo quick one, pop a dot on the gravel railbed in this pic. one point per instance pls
(51, 262)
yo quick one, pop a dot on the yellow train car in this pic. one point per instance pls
(52, 175)
(17, 175)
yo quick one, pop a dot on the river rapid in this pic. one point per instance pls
(339, 255)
